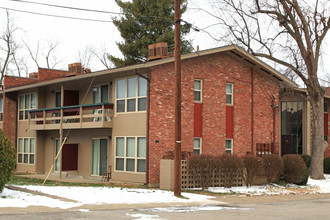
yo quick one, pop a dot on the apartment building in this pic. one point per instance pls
(123, 118)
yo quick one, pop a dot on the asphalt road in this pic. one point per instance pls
(312, 207)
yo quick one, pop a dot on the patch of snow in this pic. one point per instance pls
(183, 209)
(106, 195)
(144, 216)
(83, 210)
(322, 185)
(11, 198)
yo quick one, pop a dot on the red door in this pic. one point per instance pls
(70, 157)
(286, 144)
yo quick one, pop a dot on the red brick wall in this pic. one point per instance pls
(215, 71)
(10, 118)
(45, 74)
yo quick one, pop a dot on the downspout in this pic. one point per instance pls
(252, 110)
(148, 123)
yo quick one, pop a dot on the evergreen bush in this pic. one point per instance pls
(7, 159)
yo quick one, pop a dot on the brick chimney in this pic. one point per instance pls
(158, 51)
(75, 69)
(34, 75)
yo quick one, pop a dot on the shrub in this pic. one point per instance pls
(251, 164)
(272, 167)
(326, 165)
(294, 169)
(202, 167)
(230, 166)
(307, 159)
(7, 159)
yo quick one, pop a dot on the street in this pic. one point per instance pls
(259, 207)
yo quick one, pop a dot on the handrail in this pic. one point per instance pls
(72, 106)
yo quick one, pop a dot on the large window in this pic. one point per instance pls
(26, 150)
(229, 93)
(229, 146)
(197, 145)
(131, 94)
(198, 90)
(131, 154)
(100, 94)
(26, 102)
(1, 109)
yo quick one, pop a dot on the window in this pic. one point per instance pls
(229, 94)
(26, 102)
(1, 109)
(25, 150)
(198, 90)
(197, 146)
(325, 107)
(131, 154)
(131, 94)
(100, 94)
(229, 146)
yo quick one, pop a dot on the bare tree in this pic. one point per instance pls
(289, 34)
(44, 51)
(85, 56)
(103, 57)
(10, 61)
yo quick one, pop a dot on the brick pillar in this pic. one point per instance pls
(10, 118)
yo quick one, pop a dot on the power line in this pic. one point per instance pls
(57, 16)
(67, 7)
(85, 9)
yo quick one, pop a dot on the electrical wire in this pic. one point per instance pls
(57, 16)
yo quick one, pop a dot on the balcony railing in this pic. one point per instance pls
(72, 117)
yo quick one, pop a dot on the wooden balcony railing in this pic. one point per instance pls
(72, 117)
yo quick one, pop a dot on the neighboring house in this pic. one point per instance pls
(230, 104)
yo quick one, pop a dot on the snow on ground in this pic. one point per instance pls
(11, 198)
(116, 195)
(313, 186)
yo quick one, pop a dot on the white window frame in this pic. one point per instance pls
(200, 145)
(137, 97)
(232, 144)
(24, 109)
(231, 94)
(199, 90)
(28, 153)
(136, 158)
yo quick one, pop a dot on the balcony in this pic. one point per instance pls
(72, 117)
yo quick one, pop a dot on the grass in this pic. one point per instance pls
(19, 180)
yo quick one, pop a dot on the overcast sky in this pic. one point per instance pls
(76, 35)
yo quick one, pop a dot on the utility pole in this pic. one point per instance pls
(177, 69)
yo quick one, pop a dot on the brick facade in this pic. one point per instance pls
(215, 71)
(10, 118)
